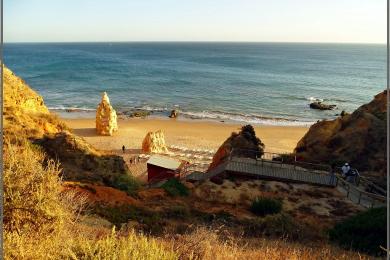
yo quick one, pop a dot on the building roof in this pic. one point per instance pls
(164, 162)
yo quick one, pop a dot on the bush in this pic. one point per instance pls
(266, 206)
(117, 215)
(365, 231)
(178, 212)
(126, 183)
(276, 225)
(175, 188)
(32, 190)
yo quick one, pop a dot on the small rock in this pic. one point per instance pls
(71, 110)
(140, 113)
(174, 114)
(321, 106)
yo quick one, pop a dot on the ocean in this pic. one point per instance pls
(257, 83)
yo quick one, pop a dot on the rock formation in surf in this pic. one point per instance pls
(321, 106)
(154, 142)
(242, 144)
(106, 119)
(358, 138)
(174, 114)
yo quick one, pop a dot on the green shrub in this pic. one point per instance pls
(117, 215)
(126, 183)
(178, 212)
(276, 225)
(175, 188)
(265, 206)
(365, 231)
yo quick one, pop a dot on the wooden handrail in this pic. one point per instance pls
(361, 192)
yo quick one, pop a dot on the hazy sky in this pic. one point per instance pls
(195, 20)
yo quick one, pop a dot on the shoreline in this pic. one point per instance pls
(183, 117)
(194, 134)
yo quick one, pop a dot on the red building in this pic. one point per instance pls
(161, 167)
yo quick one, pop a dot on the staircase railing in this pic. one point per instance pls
(364, 198)
(361, 196)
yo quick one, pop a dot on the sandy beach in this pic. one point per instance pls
(191, 134)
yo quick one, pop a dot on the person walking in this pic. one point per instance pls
(123, 148)
(345, 169)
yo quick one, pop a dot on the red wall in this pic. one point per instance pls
(159, 173)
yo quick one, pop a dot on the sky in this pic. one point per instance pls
(346, 21)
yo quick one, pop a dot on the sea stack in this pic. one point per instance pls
(244, 143)
(106, 119)
(154, 142)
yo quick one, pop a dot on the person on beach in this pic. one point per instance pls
(123, 148)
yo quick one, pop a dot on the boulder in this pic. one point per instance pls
(321, 106)
(106, 118)
(154, 142)
(174, 114)
(244, 144)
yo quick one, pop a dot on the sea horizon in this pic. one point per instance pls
(194, 41)
(269, 83)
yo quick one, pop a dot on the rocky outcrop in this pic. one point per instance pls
(174, 114)
(154, 142)
(106, 119)
(27, 119)
(18, 94)
(321, 106)
(25, 114)
(242, 144)
(358, 138)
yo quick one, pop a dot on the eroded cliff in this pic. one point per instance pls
(358, 138)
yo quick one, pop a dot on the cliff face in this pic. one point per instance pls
(17, 94)
(358, 138)
(106, 119)
(244, 144)
(25, 114)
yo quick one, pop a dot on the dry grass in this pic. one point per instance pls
(206, 244)
(41, 222)
(32, 191)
